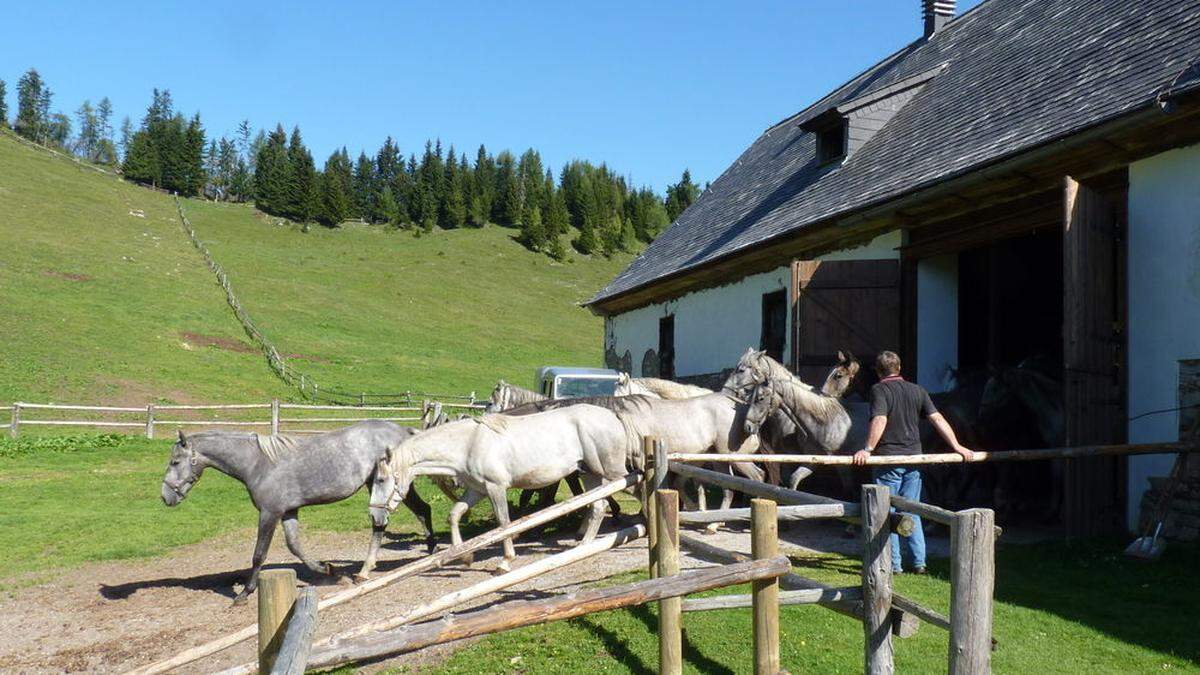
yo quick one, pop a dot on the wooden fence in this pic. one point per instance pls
(271, 417)
(882, 612)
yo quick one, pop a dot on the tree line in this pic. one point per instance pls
(588, 207)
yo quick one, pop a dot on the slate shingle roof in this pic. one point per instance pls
(1018, 73)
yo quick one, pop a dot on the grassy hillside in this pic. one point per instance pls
(101, 290)
(363, 307)
(103, 304)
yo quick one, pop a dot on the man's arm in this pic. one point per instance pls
(874, 433)
(947, 433)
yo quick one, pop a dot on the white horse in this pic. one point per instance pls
(505, 396)
(656, 388)
(489, 455)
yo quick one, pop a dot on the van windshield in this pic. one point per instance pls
(574, 387)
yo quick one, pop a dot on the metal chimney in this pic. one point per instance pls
(937, 13)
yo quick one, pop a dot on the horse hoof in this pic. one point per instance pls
(468, 559)
(501, 569)
(239, 600)
(711, 529)
(359, 578)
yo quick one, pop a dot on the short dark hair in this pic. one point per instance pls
(887, 363)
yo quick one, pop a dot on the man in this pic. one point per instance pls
(896, 408)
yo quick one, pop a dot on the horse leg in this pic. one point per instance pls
(460, 507)
(726, 502)
(596, 514)
(443, 483)
(266, 529)
(291, 534)
(750, 470)
(798, 475)
(372, 551)
(499, 498)
(420, 508)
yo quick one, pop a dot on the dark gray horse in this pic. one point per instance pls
(284, 473)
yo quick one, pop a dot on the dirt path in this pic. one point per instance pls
(107, 617)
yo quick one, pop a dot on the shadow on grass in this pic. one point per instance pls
(616, 646)
(1154, 605)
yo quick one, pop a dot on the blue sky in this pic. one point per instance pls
(650, 88)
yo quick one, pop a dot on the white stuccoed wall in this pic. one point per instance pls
(937, 321)
(1164, 300)
(714, 327)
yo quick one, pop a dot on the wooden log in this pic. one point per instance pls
(662, 465)
(88, 408)
(972, 578)
(150, 421)
(520, 613)
(298, 635)
(877, 582)
(785, 513)
(850, 607)
(231, 406)
(945, 458)
(416, 567)
(670, 618)
(764, 544)
(276, 595)
(805, 596)
(921, 611)
(274, 416)
(83, 423)
(498, 583)
(930, 511)
(376, 408)
(649, 508)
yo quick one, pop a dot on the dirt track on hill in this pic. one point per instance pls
(111, 616)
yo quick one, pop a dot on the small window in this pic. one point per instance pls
(666, 347)
(774, 323)
(831, 142)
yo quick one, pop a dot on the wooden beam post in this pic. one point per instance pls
(15, 429)
(296, 642)
(877, 581)
(648, 507)
(274, 416)
(276, 595)
(764, 543)
(972, 578)
(670, 610)
(150, 421)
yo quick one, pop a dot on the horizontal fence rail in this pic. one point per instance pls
(304, 418)
(944, 457)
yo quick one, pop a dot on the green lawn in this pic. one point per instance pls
(378, 309)
(1059, 609)
(105, 305)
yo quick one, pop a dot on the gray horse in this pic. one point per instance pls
(284, 473)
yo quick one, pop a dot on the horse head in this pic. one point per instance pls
(842, 376)
(624, 386)
(391, 483)
(499, 399)
(183, 470)
(750, 371)
(762, 404)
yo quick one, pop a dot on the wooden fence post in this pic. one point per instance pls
(764, 543)
(274, 416)
(150, 421)
(670, 610)
(877, 581)
(648, 506)
(661, 464)
(276, 595)
(972, 577)
(296, 642)
(362, 398)
(15, 429)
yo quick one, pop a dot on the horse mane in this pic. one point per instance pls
(670, 390)
(275, 446)
(802, 398)
(495, 422)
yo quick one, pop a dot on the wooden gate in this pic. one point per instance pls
(1094, 351)
(846, 304)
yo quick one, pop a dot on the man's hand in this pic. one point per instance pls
(860, 457)
(966, 453)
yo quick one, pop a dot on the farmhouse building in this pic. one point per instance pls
(1021, 182)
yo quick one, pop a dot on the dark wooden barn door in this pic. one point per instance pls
(849, 305)
(1093, 351)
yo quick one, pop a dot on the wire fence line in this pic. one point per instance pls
(308, 386)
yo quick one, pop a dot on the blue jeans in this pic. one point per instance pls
(906, 482)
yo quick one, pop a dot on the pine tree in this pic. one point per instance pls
(88, 140)
(507, 209)
(389, 208)
(454, 206)
(335, 189)
(193, 147)
(30, 92)
(126, 136)
(3, 105)
(272, 173)
(363, 187)
(681, 195)
(483, 188)
(303, 196)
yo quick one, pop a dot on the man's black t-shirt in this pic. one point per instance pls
(903, 403)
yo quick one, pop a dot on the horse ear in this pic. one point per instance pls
(842, 357)
(182, 438)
